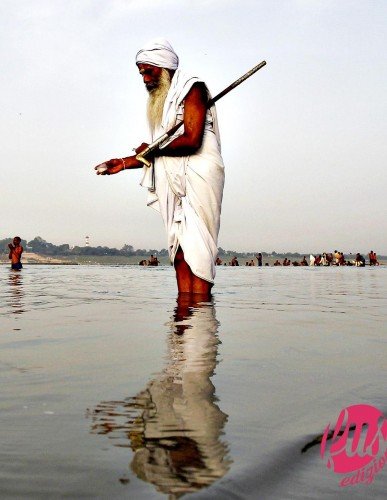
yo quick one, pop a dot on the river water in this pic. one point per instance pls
(111, 388)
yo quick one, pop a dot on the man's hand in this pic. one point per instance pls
(113, 167)
(141, 148)
(117, 164)
(149, 158)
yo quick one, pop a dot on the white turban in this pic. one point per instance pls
(158, 52)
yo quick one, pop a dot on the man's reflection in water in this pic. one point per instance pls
(16, 293)
(174, 425)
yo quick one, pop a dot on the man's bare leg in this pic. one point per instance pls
(187, 282)
(200, 286)
(183, 273)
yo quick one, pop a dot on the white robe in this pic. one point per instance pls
(188, 190)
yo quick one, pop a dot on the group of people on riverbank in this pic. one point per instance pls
(338, 259)
(152, 261)
(335, 258)
(234, 261)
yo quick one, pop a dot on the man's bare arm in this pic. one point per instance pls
(195, 110)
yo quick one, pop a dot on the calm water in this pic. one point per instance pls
(112, 389)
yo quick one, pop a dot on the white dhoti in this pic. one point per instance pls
(188, 190)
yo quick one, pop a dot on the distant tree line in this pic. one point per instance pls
(43, 247)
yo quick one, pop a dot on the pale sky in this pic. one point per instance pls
(303, 141)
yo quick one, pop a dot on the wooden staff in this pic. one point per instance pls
(158, 142)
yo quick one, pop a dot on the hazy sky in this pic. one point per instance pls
(304, 140)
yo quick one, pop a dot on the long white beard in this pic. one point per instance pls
(156, 100)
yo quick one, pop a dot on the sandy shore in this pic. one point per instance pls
(34, 258)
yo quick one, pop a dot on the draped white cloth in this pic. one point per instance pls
(188, 190)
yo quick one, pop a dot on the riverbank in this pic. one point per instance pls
(32, 258)
(35, 258)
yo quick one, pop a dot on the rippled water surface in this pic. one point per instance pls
(111, 388)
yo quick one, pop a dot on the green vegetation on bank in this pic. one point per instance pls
(42, 247)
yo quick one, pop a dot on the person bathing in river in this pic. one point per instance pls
(15, 253)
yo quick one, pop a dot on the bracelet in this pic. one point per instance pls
(123, 163)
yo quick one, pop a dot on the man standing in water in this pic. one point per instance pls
(15, 253)
(186, 179)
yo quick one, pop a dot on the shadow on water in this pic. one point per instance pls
(16, 293)
(174, 425)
